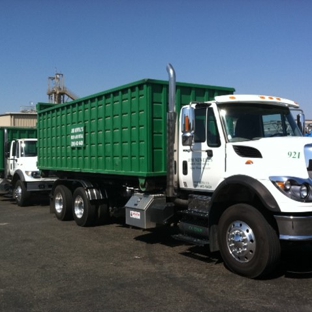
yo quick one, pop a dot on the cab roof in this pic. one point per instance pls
(257, 99)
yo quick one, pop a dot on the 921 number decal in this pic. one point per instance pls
(294, 155)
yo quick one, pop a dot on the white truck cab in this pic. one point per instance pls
(22, 174)
(239, 134)
(247, 170)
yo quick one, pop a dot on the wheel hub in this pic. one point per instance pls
(241, 241)
(58, 202)
(18, 193)
(79, 207)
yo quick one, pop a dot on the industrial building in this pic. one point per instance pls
(21, 119)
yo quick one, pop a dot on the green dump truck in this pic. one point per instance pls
(18, 164)
(232, 171)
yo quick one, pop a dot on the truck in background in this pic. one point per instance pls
(18, 164)
(232, 171)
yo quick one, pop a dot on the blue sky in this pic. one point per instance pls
(260, 47)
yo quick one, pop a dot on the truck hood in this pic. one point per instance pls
(27, 163)
(277, 156)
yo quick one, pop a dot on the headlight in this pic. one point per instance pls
(294, 188)
(33, 174)
(287, 186)
(304, 191)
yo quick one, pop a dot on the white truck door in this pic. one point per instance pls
(202, 166)
(13, 157)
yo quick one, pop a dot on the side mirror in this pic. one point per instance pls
(299, 118)
(188, 125)
(301, 122)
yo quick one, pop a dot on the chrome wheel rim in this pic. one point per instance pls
(58, 202)
(241, 241)
(18, 193)
(79, 207)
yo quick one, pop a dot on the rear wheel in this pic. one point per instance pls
(20, 193)
(83, 211)
(248, 243)
(62, 203)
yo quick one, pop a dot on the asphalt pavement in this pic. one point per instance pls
(49, 265)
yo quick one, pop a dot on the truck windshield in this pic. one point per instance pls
(29, 149)
(244, 122)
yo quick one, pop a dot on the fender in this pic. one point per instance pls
(237, 187)
(230, 186)
(93, 192)
(18, 173)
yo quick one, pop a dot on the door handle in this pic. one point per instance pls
(184, 167)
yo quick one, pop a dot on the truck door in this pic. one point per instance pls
(202, 166)
(13, 157)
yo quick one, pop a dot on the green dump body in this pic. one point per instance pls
(121, 131)
(8, 134)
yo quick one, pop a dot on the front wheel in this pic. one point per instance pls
(83, 211)
(20, 193)
(248, 243)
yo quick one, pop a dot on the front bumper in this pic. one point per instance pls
(294, 228)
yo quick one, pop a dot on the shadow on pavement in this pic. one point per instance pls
(296, 259)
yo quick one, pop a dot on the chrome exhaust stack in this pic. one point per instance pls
(171, 119)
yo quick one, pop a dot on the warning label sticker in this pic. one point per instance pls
(135, 214)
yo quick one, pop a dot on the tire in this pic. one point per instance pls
(83, 211)
(20, 194)
(62, 203)
(248, 243)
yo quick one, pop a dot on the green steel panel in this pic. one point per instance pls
(13, 133)
(124, 129)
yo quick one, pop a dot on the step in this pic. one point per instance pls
(191, 240)
(195, 213)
